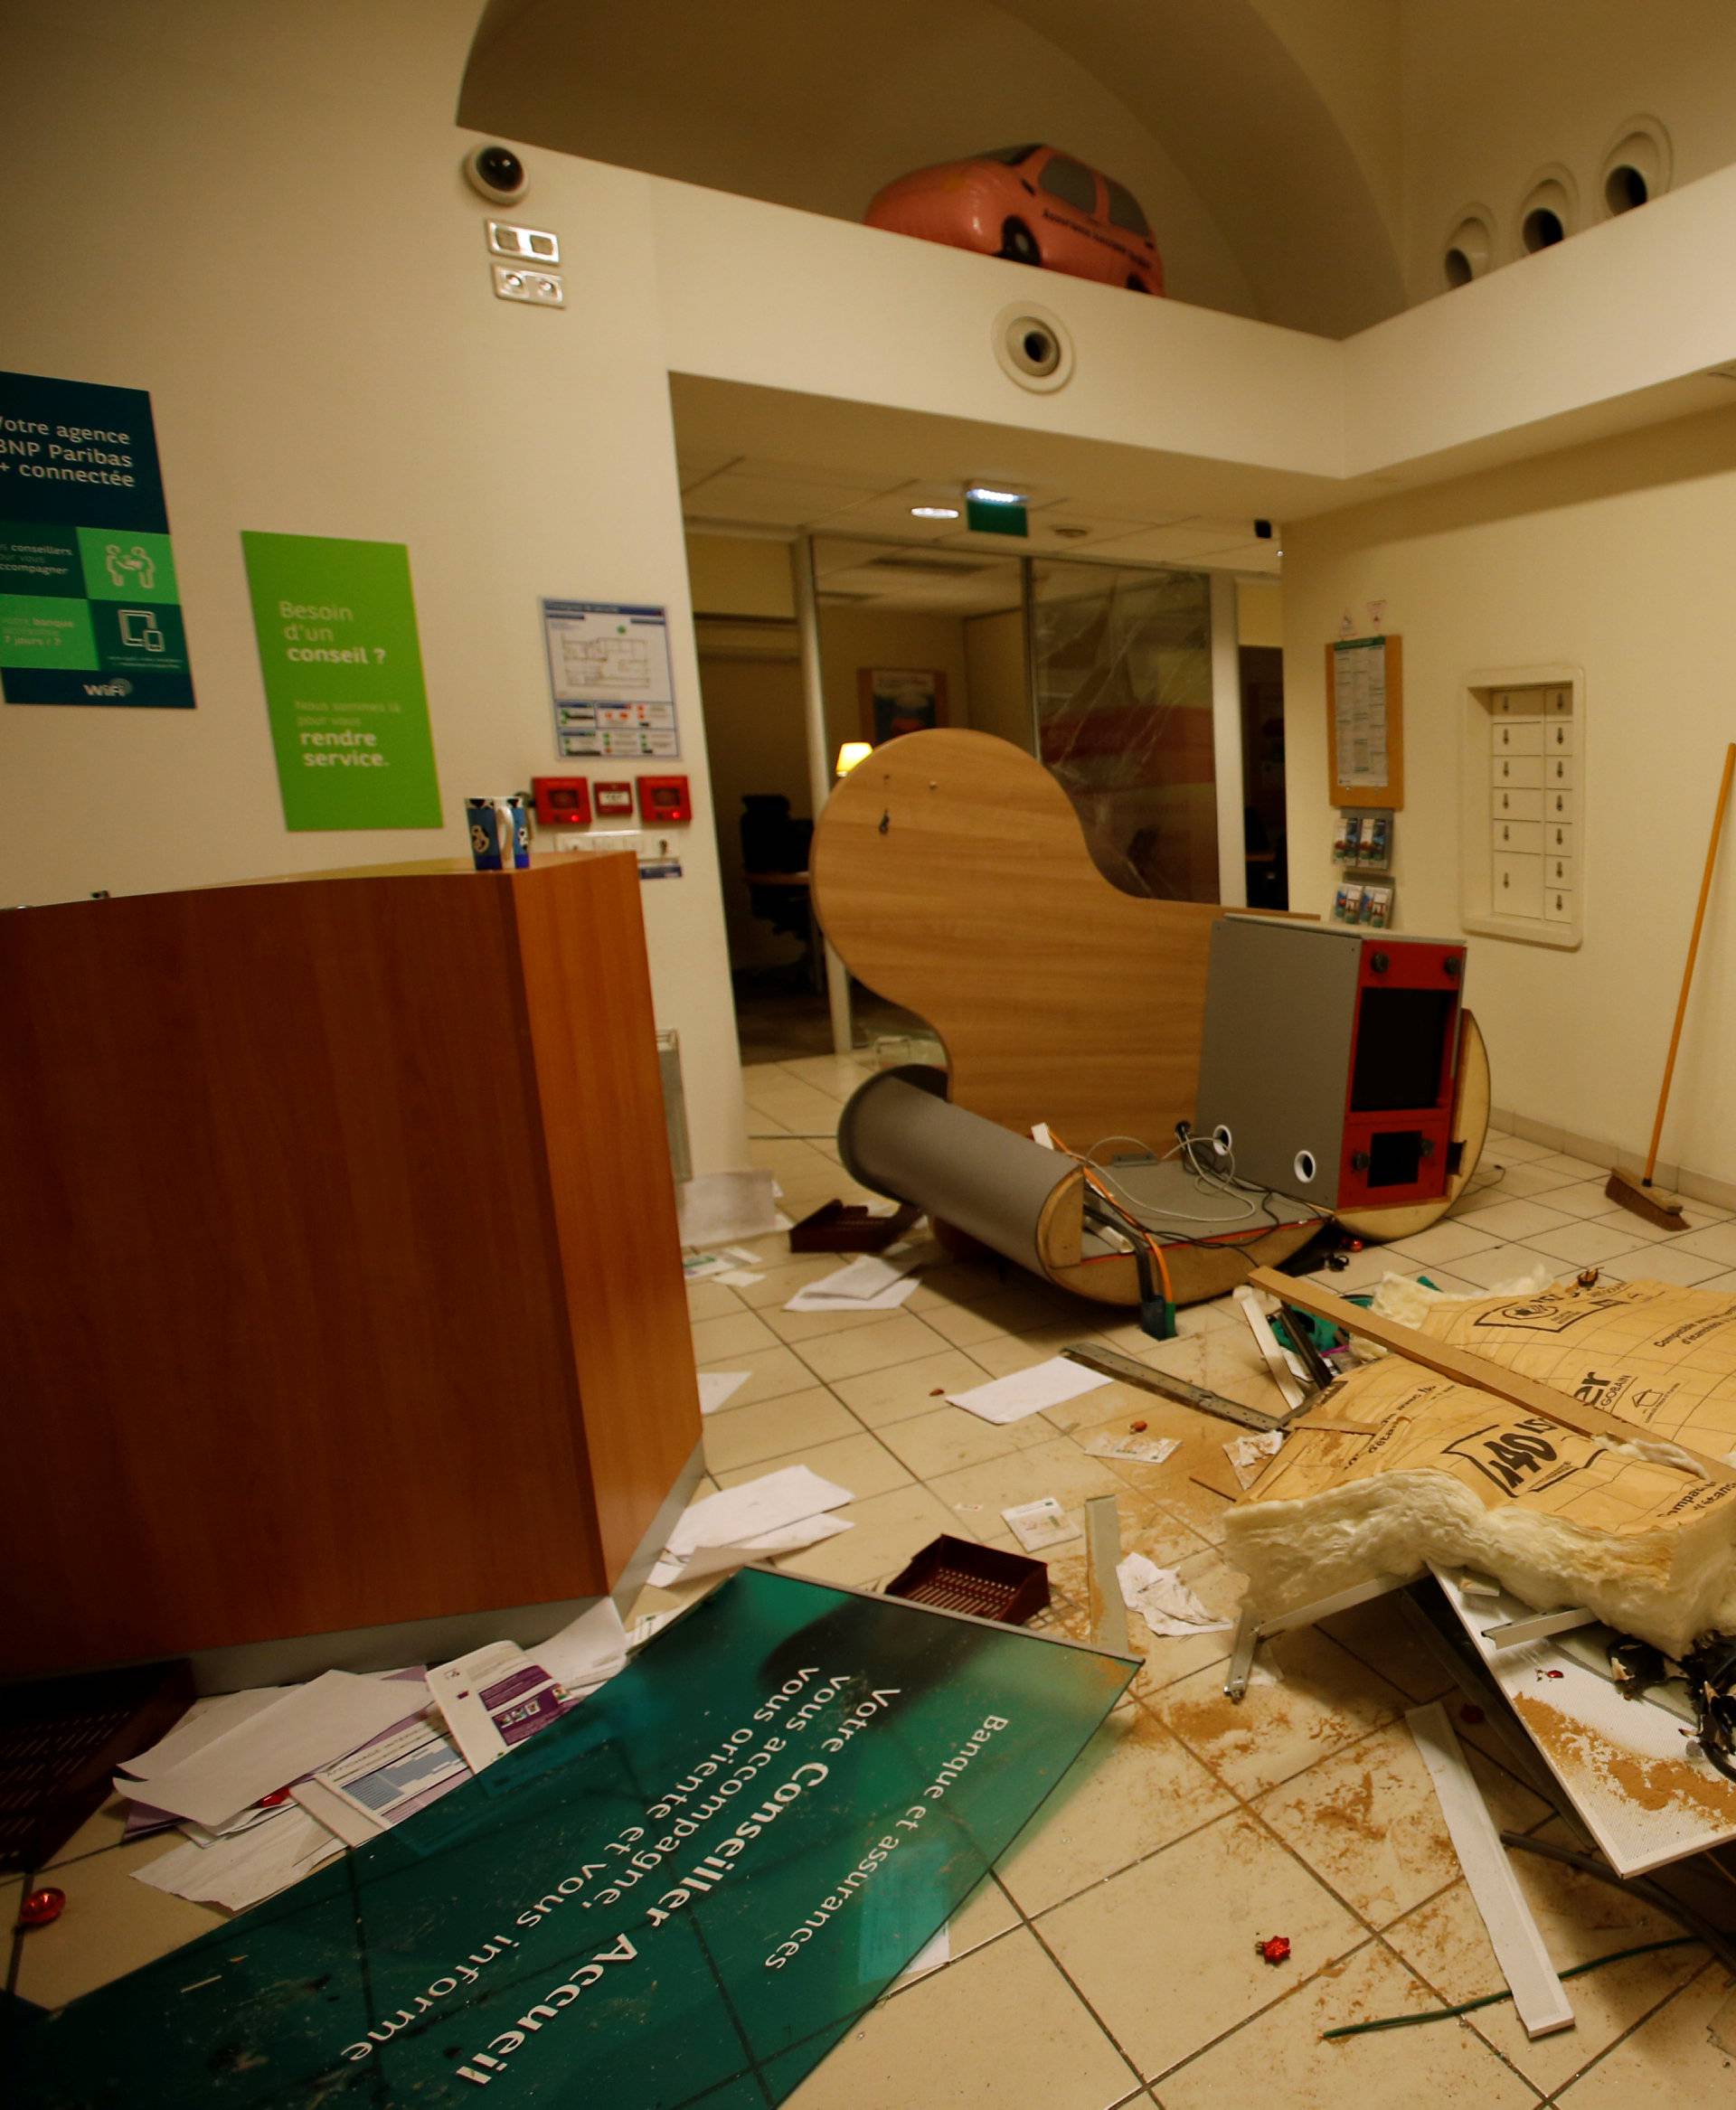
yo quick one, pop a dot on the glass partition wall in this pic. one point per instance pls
(1121, 679)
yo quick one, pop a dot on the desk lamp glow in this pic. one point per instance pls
(851, 753)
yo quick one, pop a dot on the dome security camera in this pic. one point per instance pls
(497, 173)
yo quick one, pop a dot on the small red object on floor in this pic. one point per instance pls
(1276, 1948)
(42, 1907)
(1136, 1426)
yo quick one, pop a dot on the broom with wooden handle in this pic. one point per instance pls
(1655, 1203)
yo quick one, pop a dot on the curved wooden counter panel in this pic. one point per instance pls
(949, 872)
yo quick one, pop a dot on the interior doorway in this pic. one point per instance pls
(890, 632)
(1262, 669)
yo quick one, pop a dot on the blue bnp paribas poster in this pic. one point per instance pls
(89, 610)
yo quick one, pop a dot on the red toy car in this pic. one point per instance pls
(1032, 203)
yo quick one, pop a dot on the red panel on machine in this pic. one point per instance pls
(1399, 1103)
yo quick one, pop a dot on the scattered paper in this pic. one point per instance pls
(493, 1698)
(302, 1730)
(1147, 1450)
(936, 1951)
(863, 1277)
(715, 1265)
(641, 1630)
(1162, 1600)
(587, 1652)
(1249, 1455)
(874, 1283)
(717, 1388)
(1028, 1391)
(205, 1721)
(749, 1517)
(386, 1782)
(1040, 1523)
(813, 1299)
(786, 1539)
(238, 1872)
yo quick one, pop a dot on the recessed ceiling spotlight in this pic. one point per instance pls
(934, 512)
(987, 494)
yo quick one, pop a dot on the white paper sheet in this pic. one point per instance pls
(718, 1559)
(1144, 1450)
(710, 1266)
(717, 1388)
(205, 1721)
(1028, 1391)
(238, 1872)
(641, 1629)
(587, 1652)
(863, 1279)
(1162, 1600)
(936, 1951)
(752, 1520)
(744, 1511)
(1040, 1524)
(814, 1299)
(740, 1278)
(1249, 1455)
(304, 1729)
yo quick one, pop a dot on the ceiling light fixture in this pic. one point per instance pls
(987, 494)
(934, 512)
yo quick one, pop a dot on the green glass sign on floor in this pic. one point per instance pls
(89, 610)
(683, 1893)
(343, 667)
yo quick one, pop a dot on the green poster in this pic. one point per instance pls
(682, 1892)
(342, 666)
(90, 609)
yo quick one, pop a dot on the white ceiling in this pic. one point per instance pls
(723, 491)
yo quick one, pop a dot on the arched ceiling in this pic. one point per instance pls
(1265, 202)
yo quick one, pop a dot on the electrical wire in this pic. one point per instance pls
(1205, 1177)
(1489, 2000)
(1202, 1178)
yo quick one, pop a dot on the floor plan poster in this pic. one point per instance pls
(343, 667)
(90, 610)
(608, 673)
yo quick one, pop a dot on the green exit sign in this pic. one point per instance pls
(984, 518)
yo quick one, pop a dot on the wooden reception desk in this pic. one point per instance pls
(340, 1283)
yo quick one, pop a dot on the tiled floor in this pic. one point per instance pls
(1111, 1958)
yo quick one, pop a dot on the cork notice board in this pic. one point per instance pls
(1365, 722)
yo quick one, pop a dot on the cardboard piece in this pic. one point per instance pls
(1418, 1468)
